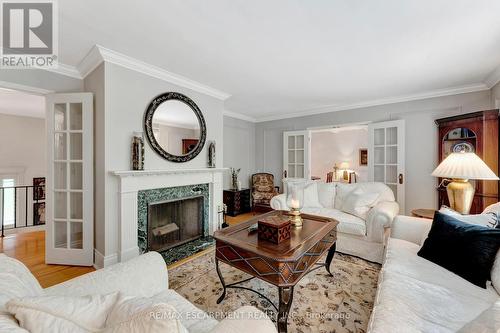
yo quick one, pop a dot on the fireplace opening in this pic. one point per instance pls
(174, 222)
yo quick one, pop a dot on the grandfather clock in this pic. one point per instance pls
(476, 132)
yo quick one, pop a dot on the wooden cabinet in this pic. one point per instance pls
(477, 132)
(237, 201)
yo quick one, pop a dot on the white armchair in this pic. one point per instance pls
(364, 238)
(143, 276)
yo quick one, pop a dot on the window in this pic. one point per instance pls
(8, 209)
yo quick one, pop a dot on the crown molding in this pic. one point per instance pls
(25, 88)
(99, 54)
(66, 70)
(493, 78)
(383, 101)
(239, 116)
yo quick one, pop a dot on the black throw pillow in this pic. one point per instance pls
(465, 249)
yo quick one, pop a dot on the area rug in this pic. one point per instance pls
(322, 303)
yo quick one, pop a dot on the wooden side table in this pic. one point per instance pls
(424, 213)
(237, 201)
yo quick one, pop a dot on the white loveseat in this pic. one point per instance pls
(144, 276)
(416, 295)
(362, 237)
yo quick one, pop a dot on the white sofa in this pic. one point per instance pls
(364, 238)
(144, 276)
(416, 295)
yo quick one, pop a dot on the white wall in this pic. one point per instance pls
(125, 96)
(421, 137)
(239, 149)
(328, 148)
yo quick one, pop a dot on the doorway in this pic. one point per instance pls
(340, 150)
(22, 161)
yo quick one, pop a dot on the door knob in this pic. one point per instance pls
(400, 178)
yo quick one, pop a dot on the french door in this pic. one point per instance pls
(69, 192)
(386, 156)
(296, 154)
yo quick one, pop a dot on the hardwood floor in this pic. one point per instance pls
(29, 248)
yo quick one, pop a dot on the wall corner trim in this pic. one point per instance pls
(101, 261)
(493, 78)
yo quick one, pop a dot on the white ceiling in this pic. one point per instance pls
(18, 103)
(276, 58)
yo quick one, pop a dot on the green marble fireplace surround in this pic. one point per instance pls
(151, 196)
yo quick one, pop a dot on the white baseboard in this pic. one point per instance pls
(101, 261)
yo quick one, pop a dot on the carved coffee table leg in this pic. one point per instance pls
(285, 303)
(221, 298)
(329, 257)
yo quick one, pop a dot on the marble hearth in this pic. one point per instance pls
(136, 186)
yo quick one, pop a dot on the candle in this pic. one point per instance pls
(294, 204)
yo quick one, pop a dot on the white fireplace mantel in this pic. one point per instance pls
(131, 182)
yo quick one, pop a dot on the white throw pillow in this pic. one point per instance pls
(16, 281)
(326, 194)
(140, 314)
(341, 193)
(495, 273)
(494, 208)
(359, 203)
(487, 322)
(62, 313)
(311, 198)
(488, 219)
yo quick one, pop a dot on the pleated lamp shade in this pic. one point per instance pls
(464, 166)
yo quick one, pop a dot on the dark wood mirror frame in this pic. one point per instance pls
(148, 126)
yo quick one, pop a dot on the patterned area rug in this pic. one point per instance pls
(321, 303)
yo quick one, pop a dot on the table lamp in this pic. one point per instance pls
(461, 167)
(345, 167)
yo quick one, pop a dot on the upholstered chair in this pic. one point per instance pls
(263, 190)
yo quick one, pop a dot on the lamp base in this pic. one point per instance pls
(296, 219)
(460, 194)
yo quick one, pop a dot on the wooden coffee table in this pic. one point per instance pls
(282, 265)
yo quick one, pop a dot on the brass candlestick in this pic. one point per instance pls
(296, 219)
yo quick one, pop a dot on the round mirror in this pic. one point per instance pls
(175, 127)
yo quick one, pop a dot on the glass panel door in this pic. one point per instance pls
(70, 211)
(386, 156)
(296, 154)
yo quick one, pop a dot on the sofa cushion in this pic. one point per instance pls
(192, 318)
(401, 257)
(348, 223)
(62, 313)
(16, 281)
(143, 314)
(487, 322)
(465, 249)
(359, 203)
(326, 194)
(415, 295)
